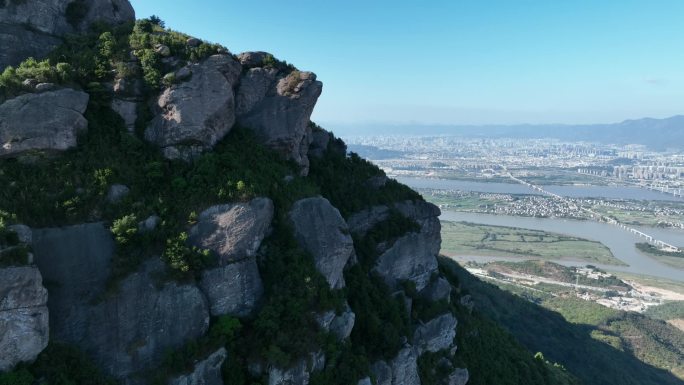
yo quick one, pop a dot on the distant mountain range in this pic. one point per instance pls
(657, 134)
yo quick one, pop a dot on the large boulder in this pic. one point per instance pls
(233, 231)
(131, 331)
(205, 372)
(277, 104)
(46, 121)
(24, 328)
(33, 28)
(75, 262)
(193, 115)
(402, 370)
(234, 289)
(412, 258)
(436, 334)
(320, 230)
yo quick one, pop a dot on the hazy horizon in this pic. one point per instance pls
(462, 62)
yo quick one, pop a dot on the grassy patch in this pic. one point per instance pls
(460, 238)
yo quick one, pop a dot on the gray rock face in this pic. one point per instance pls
(300, 373)
(435, 335)
(413, 256)
(32, 28)
(343, 324)
(234, 289)
(320, 229)
(233, 231)
(459, 377)
(206, 372)
(131, 331)
(45, 121)
(340, 325)
(192, 116)
(319, 143)
(24, 328)
(75, 262)
(402, 370)
(252, 59)
(278, 107)
(437, 290)
(365, 381)
(128, 110)
(124, 332)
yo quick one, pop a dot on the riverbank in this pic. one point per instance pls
(464, 238)
(621, 243)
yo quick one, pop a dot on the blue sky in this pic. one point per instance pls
(461, 61)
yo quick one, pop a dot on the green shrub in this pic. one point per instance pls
(124, 229)
(17, 377)
(183, 258)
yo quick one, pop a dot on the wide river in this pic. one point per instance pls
(620, 242)
(609, 192)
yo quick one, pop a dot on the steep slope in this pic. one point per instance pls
(192, 226)
(597, 344)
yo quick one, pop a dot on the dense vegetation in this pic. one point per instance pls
(345, 181)
(667, 311)
(599, 345)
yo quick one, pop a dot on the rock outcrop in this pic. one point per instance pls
(402, 370)
(320, 230)
(436, 290)
(206, 372)
(45, 121)
(131, 331)
(126, 331)
(412, 257)
(75, 262)
(277, 104)
(436, 334)
(193, 115)
(233, 231)
(339, 325)
(24, 328)
(319, 143)
(234, 289)
(34, 28)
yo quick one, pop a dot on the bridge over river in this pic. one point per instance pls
(649, 238)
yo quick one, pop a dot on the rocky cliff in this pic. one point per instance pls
(186, 226)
